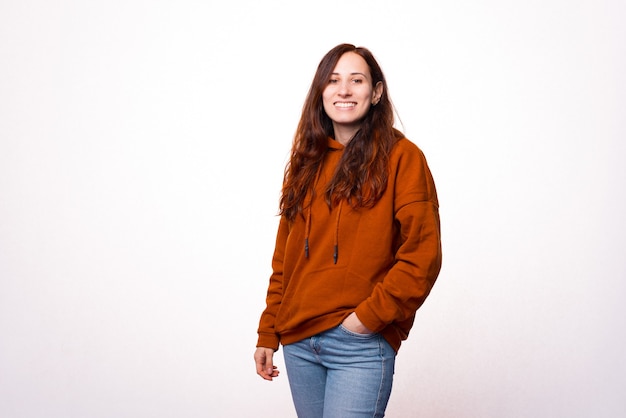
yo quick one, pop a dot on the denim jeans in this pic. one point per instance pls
(340, 374)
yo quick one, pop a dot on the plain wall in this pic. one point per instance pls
(142, 146)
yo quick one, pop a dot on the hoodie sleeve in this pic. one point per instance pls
(267, 335)
(418, 255)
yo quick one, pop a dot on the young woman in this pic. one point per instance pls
(358, 246)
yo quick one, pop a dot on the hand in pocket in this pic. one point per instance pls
(353, 323)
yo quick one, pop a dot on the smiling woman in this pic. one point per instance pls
(358, 247)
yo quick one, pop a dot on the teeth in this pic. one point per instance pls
(345, 104)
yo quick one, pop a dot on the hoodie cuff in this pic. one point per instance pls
(268, 341)
(369, 318)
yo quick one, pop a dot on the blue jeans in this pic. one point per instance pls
(340, 374)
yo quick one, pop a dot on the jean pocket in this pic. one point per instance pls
(356, 334)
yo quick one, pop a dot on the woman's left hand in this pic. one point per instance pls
(354, 324)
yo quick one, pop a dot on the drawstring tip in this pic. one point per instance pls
(306, 247)
(336, 254)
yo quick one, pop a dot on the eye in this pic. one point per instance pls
(333, 81)
(357, 81)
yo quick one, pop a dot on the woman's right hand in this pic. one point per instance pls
(263, 357)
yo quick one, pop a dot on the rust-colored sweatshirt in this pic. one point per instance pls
(379, 262)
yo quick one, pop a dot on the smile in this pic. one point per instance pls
(345, 104)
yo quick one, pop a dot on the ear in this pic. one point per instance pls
(378, 93)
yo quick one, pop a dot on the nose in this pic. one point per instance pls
(344, 89)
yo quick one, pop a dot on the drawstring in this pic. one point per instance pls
(307, 231)
(336, 244)
(307, 226)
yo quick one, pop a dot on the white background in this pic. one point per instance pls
(142, 146)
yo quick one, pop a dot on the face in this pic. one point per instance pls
(350, 93)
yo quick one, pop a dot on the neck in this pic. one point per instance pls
(343, 134)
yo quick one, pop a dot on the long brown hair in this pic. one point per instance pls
(361, 175)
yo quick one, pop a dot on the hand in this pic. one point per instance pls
(263, 357)
(354, 324)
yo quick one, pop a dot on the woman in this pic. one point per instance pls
(358, 246)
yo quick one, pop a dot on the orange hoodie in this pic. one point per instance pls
(379, 262)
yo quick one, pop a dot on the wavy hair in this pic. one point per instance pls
(361, 175)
